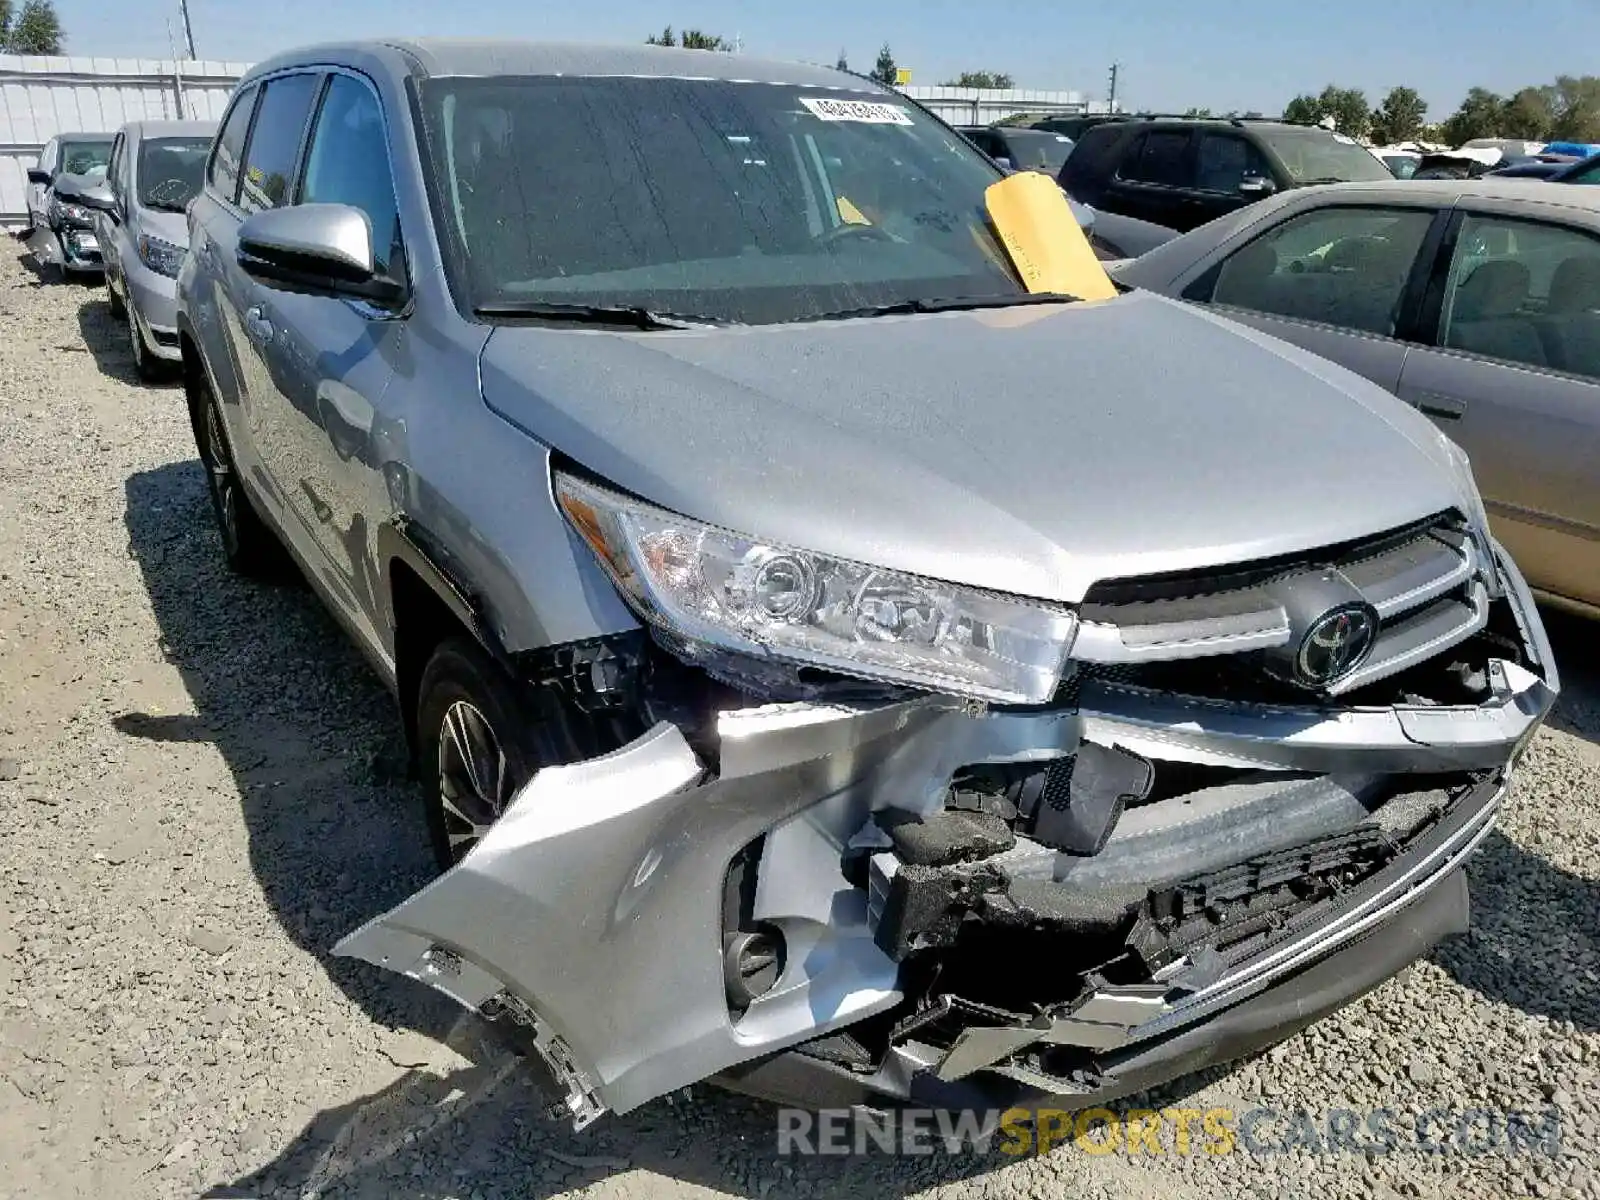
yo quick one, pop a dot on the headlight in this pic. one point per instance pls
(724, 589)
(76, 213)
(161, 257)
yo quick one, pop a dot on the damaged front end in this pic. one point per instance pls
(878, 895)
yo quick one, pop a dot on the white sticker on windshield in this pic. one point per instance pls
(868, 111)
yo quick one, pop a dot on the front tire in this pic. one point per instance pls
(248, 545)
(481, 735)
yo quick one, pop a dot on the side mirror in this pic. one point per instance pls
(91, 193)
(35, 175)
(1006, 164)
(316, 250)
(1256, 185)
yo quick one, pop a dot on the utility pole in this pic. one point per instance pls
(1111, 102)
(188, 29)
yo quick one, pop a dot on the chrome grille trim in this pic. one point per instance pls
(1427, 589)
(1419, 635)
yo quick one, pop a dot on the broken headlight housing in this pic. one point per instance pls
(723, 589)
(160, 256)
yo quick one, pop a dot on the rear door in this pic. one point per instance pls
(1155, 179)
(267, 176)
(1337, 280)
(1513, 376)
(208, 290)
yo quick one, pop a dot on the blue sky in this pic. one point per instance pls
(1244, 54)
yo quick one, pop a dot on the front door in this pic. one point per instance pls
(330, 362)
(1227, 167)
(1332, 280)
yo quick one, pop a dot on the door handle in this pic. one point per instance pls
(1446, 408)
(256, 323)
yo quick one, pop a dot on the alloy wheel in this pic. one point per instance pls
(219, 470)
(475, 780)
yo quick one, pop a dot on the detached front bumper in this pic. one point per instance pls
(601, 910)
(71, 249)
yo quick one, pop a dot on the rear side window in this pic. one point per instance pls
(230, 144)
(269, 161)
(1162, 158)
(1525, 292)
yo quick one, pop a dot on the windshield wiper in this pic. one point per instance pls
(1333, 179)
(634, 316)
(164, 206)
(943, 304)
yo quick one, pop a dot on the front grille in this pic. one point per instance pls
(1209, 581)
(1424, 581)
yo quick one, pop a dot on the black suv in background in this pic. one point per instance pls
(1182, 172)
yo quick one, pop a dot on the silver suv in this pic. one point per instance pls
(832, 669)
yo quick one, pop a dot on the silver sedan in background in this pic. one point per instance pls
(156, 168)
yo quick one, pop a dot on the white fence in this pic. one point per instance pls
(984, 106)
(43, 96)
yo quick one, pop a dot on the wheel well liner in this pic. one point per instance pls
(427, 604)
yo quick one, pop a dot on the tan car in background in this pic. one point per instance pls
(1476, 300)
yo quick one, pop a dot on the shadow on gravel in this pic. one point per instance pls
(1535, 937)
(477, 1128)
(107, 339)
(1576, 642)
(336, 832)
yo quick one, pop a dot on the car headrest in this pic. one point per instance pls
(1575, 286)
(1494, 289)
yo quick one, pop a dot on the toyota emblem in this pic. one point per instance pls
(1336, 644)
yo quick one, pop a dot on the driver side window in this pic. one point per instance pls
(1337, 266)
(348, 163)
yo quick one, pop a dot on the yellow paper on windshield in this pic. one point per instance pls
(1030, 213)
(850, 214)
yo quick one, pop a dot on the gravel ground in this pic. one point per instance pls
(199, 792)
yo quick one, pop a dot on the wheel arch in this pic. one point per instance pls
(428, 603)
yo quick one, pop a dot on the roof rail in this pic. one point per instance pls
(1230, 118)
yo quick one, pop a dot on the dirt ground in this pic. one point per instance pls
(202, 787)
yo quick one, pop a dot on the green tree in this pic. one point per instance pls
(37, 30)
(1197, 112)
(884, 70)
(690, 39)
(1303, 110)
(1577, 109)
(694, 39)
(1530, 114)
(1480, 116)
(981, 79)
(1348, 108)
(843, 64)
(5, 22)
(1400, 117)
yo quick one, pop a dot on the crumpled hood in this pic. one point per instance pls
(1029, 450)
